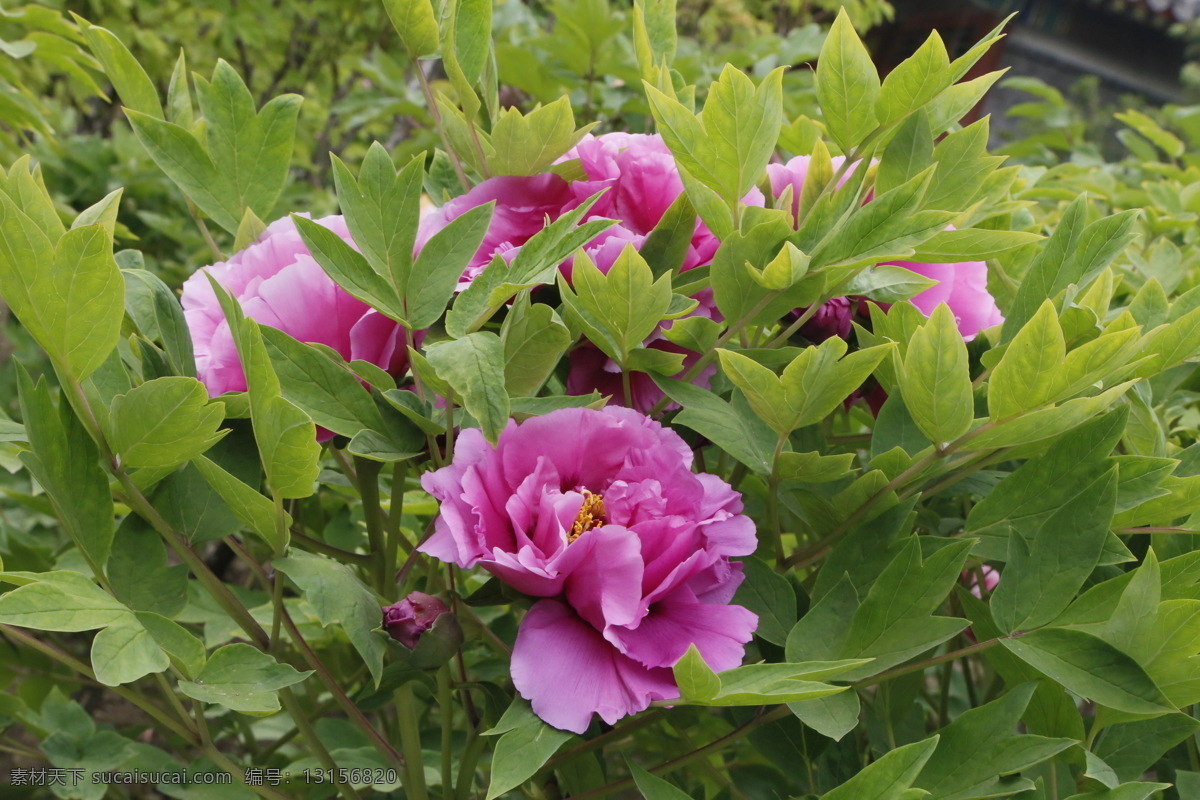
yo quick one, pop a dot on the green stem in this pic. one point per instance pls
(437, 121)
(222, 761)
(292, 706)
(317, 546)
(410, 743)
(368, 487)
(446, 707)
(689, 758)
(136, 698)
(921, 666)
(395, 538)
(215, 587)
(707, 358)
(466, 766)
(314, 662)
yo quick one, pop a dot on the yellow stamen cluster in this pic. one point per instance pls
(591, 515)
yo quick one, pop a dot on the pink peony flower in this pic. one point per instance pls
(406, 620)
(523, 207)
(794, 173)
(279, 284)
(962, 287)
(598, 514)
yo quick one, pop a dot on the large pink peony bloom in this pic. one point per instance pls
(599, 514)
(962, 286)
(279, 284)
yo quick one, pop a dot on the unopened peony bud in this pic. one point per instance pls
(407, 620)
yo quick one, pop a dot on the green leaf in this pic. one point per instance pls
(534, 340)
(811, 386)
(253, 150)
(732, 427)
(769, 595)
(1029, 373)
(935, 382)
(66, 463)
(59, 601)
(696, 681)
(179, 96)
(980, 745)
(348, 268)
(848, 87)
(1071, 254)
(617, 310)
(125, 651)
(1132, 748)
(1126, 791)
(382, 208)
(69, 295)
(243, 163)
(286, 436)
(526, 744)
(416, 24)
(1049, 562)
(971, 244)
(893, 622)
(536, 263)
(325, 390)
(439, 267)
(242, 678)
(339, 598)
(907, 155)
(736, 292)
(255, 511)
(164, 422)
(138, 573)
(1166, 141)
(1091, 668)
(833, 716)
(474, 367)
(182, 647)
(653, 787)
(666, 247)
(527, 144)
(889, 227)
(1023, 500)
(728, 147)
(133, 85)
(165, 318)
(888, 778)
(102, 213)
(915, 81)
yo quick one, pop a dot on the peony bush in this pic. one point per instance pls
(772, 439)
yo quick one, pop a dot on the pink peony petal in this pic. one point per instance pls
(568, 672)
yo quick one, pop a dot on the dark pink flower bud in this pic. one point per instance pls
(407, 620)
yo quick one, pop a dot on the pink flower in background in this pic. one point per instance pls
(962, 286)
(638, 171)
(278, 283)
(642, 180)
(599, 514)
(793, 174)
(523, 207)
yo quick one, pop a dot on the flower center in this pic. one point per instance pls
(591, 515)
